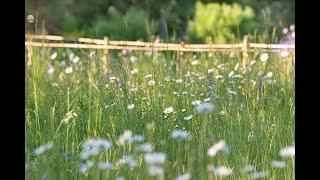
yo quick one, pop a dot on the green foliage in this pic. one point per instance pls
(69, 23)
(133, 25)
(82, 17)
(220, 22)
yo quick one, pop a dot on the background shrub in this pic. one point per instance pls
(219, 22)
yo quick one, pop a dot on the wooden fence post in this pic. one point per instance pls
(180, 59)
(245, 48)
(30, 30)
(29, 52)
(105, 57)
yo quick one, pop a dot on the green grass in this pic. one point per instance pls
(265, 108)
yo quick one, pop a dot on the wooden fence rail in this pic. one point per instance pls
(136, 45)
(106, 44)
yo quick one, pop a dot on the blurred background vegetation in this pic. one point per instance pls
(195, 21)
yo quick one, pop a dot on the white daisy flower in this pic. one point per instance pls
(131, 106)
(54, 55)
(155, 170)
(146, 147)
(264, 57)
(69, 70)
(148, 76)
(195, 62)
(133, 58)
(168, 110)
(185, 176)
(236, 67)
(220, 66)
(252, 62)
(258, 175)
(284, 53)
(218, 76)
(134, 71)
(63, 63)
(151, 83)
(196, 102)
(230, 74)
(268, 75)
(237, 76)
(178, 81)
(188, 118)
(91, 54)
(134, 89)
(155, 158)
(71, 56)
(210, 71)
(51, 70)
(287, 151)
(167, 78)
(207, 99)
(232, 92)
(222, 113)
(125, 52)
(278, 164)
(222, 171)
(75, 59)
(285, 30)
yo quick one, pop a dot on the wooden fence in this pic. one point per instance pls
(106, 44)
(148, 46)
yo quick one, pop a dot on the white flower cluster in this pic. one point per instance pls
(220, 146)
(126, 136)
(204, 107)
(44, 148)
(93, 147)
(179, 134)
(70, 115)
(155, 158)
(154, 161)
(168, 110)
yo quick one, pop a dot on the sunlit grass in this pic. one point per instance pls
(250, 109)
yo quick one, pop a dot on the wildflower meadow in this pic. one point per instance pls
(213, 118)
